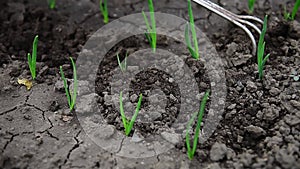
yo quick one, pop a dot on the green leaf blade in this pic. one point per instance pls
(151, 30)
(251, 6)
(75, 84)
(104, 10)
(295, 10)
(191, 151)
(52, 4)
(193, 50)
(261, 60)
(199, 121)
(65, 85)
(124, 120)
(135, 114)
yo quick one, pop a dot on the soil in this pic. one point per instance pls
(260, 127)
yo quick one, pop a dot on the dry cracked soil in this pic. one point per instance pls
(260, 126)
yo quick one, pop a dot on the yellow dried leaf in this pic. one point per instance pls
(26, 83)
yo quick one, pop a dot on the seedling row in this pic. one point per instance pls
(151, 35)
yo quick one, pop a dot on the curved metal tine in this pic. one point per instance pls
(249, 33)
(251, 18)
(218, 11)
(251, 25)
(236, 19)
(217, 7)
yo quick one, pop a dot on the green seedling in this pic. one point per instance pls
(191, 151)
(191, 27)
(289, 16)
(251, 5)
(151, 30)
(128, 125)
(286, 14)
(71, 98)
(295, 9)
(261, 59)
(122, 65)
(52, 4)
(104, 10)
(32, 58)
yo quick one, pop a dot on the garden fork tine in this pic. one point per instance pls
(239, 20)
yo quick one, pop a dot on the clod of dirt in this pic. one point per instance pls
(218, 151)
(171, 137)
(59, 86)
(255, 131)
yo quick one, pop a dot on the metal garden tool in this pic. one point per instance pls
(241, 21)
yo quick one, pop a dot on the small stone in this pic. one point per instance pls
(240, 139)
(59, 86)
(133, 98)
(292, 120)
(270, 113)
(274, 91)
(251, 86)
(155, 114)
(231, 48)
(173, 138)
(137, 137)
(241, 60)
(108, 99)
(231, 107)
(255, 131)
(218, 151)
(295, 103)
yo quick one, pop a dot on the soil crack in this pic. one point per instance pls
(8, 111)
(51, 135)
(120, 145)
(27, 97)
(72, 149)
(12, 138)
(39, 109)
(157, 157)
